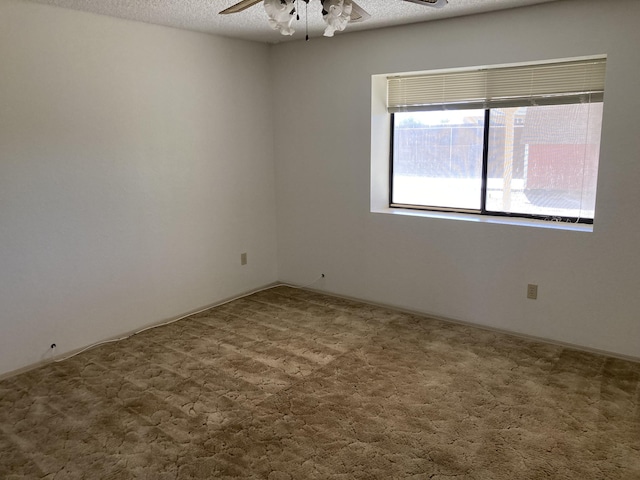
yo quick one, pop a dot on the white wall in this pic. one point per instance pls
(475, 272)
(136, 164)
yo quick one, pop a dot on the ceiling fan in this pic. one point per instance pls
(336, 13)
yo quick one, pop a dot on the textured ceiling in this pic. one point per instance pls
(251, 24)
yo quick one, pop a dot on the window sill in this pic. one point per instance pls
(465, 217)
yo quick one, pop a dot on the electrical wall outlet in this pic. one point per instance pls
(532, 291)
(243, 258)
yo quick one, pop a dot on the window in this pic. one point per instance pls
(514, 141)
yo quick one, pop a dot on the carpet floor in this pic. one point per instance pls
(291, 384)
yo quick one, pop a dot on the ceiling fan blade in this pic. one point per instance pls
(430, 3)
(240, 6)
(358, 14)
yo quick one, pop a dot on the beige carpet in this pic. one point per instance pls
(289, 384)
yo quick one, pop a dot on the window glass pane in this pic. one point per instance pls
(437, 158)
(544, 160)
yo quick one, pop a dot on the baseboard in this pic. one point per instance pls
(550, 341)
(331, 294)
(129, 333)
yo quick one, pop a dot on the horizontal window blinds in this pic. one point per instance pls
(511, 86)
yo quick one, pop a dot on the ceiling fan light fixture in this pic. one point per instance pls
(281, 14)
(336, 14)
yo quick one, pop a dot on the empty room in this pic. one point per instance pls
(324, 239)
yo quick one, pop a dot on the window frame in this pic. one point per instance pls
(482, 211)
(558, 81)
